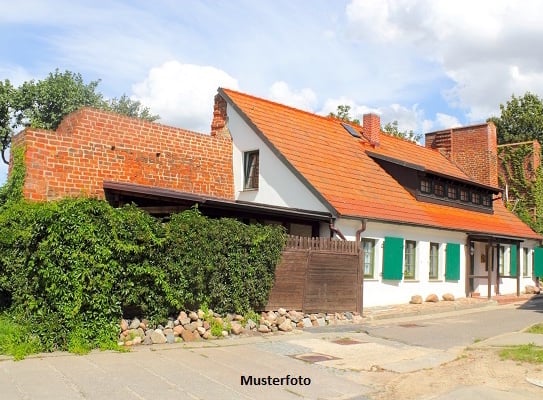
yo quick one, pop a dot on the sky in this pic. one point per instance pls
(428, 64)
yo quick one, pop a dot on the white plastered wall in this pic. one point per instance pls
(277, 184)
(379, 292)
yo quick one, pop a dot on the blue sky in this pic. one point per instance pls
(429, 64)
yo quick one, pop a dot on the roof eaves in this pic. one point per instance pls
(279, 155)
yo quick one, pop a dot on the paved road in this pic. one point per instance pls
(175, 373)
(462, 329)
(337, 362)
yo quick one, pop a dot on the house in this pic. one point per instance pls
(430, 219)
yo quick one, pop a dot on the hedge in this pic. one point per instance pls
(71, 267)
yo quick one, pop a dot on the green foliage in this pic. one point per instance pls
(223, 263)
(12, 191)
(521, 119)
(343, 113)
(525, 353)
(524, 184)
(391, 128)
(131, 108)
(537, 328)
(43, 104)
(16, 339)
(71, 267)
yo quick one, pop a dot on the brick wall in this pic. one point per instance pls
(91, 146)
(473, 148)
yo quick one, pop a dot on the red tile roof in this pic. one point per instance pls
(337, 166)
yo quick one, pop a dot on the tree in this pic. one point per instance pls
(521, 119)
(132, 108)
(342, 113)
(391, 128)
(43, 104)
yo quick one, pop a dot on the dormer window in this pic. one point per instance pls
(251, 170)
(439, 189)
(425, 185)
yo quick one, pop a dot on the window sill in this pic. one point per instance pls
(249, 190)
(411, 280)
(372, 279)
(435, 280)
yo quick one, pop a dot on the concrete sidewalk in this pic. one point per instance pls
(331, 357)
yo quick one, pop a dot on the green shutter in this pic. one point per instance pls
(452, 262)
(538, 261)
(393, 258)
(513, 261)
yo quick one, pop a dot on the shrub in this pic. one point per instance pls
(71, 267)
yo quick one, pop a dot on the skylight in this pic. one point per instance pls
(351, 130)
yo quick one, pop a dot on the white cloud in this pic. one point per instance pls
(488, 49)
(445, 121)
(304, 99)
(182, 94)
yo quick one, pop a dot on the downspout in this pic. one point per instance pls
(360, 280)
(333, 229)
(361, 230)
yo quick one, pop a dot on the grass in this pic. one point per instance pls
(524, 353)
(16, 340)
(537, 328)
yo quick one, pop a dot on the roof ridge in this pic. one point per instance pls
(314, 114)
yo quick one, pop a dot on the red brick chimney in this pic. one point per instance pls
(220, 118)
(371, 124)
(472, 148)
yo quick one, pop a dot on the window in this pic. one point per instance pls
(476, 198)
(487, 200)
(525, 258)
(434, 261)
(425, 186)
(501, 260)
(439, 189)
(409, 259)
(464, 195)
(452, 192)
(251, 170)
(368, 245)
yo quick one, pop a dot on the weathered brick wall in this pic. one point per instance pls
(472, 148)
(91, 146)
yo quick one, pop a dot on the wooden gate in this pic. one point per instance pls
(318, 275)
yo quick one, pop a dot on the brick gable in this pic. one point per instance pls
(91, 146)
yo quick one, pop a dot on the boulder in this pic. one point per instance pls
(157, 337)
(263, 328)
(124, 325)
(188, 336)
(416, 299)
(178, 330)
(285, 326)
(236, 328)
(193, 316)
(135, 324)
(448, 297)
(432, 298)
(282, 311)
(529, 289)
(250, 324)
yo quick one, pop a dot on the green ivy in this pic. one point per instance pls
(525, 193)
(13, 189)
(71, 268)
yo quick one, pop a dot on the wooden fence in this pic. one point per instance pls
(318, 275)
